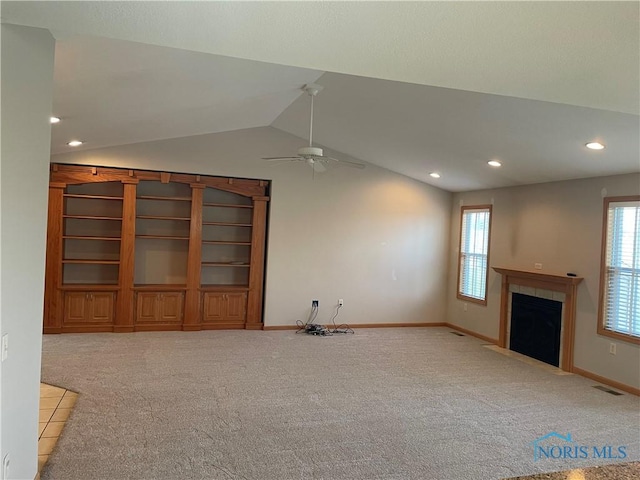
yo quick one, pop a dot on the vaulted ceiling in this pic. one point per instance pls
(413, 87)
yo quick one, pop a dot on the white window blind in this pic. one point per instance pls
(474, 250)
(622, 269)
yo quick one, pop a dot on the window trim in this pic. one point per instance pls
(461, 296)
(603, 267)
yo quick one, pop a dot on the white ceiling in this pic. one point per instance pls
(578, 53)
(114, 92)
(558, 57)
(414, 130)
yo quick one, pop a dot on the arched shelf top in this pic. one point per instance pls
(65, 174)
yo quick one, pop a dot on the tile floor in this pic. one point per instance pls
(56, 405)
(624, 471)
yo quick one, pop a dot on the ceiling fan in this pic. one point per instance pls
(313, 156)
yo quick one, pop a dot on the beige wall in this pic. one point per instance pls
(372, 237)
(559, 225)
(27, 86)
(386, 243)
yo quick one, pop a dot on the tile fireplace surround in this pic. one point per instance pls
(535, 281)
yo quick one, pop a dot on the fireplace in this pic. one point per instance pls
(535, 327)
(562, 290)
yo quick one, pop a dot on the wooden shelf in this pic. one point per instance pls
(162, 237)
(158, 217)
(86, 237)
(539, 279)
(227, 205)
(92, 217)
(90, 262)
(171, 199)
(160, 287)
(223, 242)
(91, 197)
(221, 264)
(88, 286)
(224, 288)
(228, 224)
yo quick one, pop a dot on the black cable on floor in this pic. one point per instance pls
(312, 316)
(344, 328)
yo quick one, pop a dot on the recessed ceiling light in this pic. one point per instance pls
(595, 146)
(494, 163)
(75, 143)
(434, 174)
(54, 120)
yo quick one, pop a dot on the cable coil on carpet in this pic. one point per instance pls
(311, 328)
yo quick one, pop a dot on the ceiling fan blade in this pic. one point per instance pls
(347, 163)
(281, 161)
(280, 158)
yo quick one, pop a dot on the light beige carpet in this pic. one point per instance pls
(381, 404)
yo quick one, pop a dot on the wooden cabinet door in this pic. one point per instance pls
(88, 308)
(170, 307)
(159, 308)
(147, 307)
(224, 307)
(100, 307)
(236, 307)
(76, 305)
(213, 308)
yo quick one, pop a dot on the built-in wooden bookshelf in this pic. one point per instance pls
(163, 213)
(227, 230)
(134, 250)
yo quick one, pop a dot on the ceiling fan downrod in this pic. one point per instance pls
(312, 90)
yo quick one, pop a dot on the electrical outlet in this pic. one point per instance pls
(5, 346)
(612, 348)
(315, 303)
(537, 266)
(340, 302)
(5, 467)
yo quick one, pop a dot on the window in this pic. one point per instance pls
(475, 227)
(619, 309)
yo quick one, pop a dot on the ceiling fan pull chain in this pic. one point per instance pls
(311, 123)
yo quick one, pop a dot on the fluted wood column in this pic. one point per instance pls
(53, 274)
(256, 273)
(125, 298)
(192, 316)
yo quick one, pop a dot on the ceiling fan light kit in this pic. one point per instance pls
(310, 152)
(314, 156)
